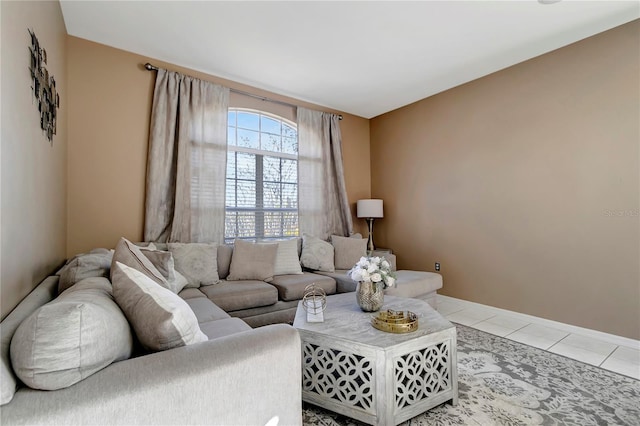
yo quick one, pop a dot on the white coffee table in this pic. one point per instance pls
(376, 377)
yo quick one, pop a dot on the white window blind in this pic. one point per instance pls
(262, 176)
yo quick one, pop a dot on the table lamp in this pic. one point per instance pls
(370, 210)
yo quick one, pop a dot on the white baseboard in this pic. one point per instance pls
(605, 337)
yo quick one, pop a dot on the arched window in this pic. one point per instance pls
(262, 176)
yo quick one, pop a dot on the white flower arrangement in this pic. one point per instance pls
(373, 270)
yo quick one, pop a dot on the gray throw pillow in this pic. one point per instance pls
(225, 251)
(198, 262)
(252, 261)
(161, 319)
(348, 251)
(163, 261)
(317, 254)
(96, 263)
(129, 254)
(72, 337)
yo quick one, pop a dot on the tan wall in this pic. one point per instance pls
(110, 98)
(33, 171)
(525, 185)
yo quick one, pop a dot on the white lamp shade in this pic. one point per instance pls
(370, 208)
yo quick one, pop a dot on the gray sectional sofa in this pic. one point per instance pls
(240, 375)
(258, 303)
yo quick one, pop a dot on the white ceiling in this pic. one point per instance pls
(362, 57)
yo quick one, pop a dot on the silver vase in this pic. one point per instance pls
(370, 296)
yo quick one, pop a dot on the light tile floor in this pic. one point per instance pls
(622, 359)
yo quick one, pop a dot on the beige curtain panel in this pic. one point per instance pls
(323, 207)
(186, 166)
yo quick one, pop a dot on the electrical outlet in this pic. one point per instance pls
(437, 266)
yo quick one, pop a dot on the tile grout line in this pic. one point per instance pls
(517, 330)
(565, 343)
(553, 344)
(483, 320)
(608, 356)
(454, 312)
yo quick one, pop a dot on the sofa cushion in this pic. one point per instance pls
(344, 283)
(414, 283)
(317, 254)
(280, 305)
(408, 283)
(161, 319)
(348, 251)
(72, 337)
(198, 262)
(96, 263)
(205, 310)
(159, 246)
(163, 261)
(224, 327)
(291, 287)
(191, 293)
(225, 251)
(287, 258)
(236, 295)
(252, 261)
(130, 255)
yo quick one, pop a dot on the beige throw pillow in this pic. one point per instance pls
(317, 254)
(251, 261)
(198, 262)
(348, 251)
(287, 260)
(72, 337)
(161, 319)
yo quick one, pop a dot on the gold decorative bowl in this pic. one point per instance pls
(395, 321)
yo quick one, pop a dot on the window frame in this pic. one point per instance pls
(259, 155)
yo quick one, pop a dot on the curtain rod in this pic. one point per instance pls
(150, 67)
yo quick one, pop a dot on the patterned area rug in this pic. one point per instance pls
(501, 382)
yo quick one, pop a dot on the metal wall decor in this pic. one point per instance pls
(44, 88)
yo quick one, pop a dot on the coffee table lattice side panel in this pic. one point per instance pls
(422, 374)
(342, 376)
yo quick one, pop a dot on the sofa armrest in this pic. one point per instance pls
(246, 378)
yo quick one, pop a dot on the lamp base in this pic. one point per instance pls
(370, 246)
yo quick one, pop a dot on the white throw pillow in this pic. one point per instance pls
(317, 254)
(161, 319)
(287, 260)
